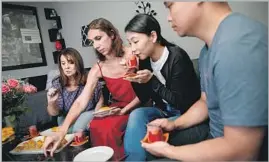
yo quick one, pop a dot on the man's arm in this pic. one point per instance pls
(238, 143)
(196, 114)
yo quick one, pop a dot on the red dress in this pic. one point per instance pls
(109, 131)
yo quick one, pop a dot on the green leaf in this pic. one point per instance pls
(12, 118)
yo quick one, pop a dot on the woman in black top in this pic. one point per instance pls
(167, 71)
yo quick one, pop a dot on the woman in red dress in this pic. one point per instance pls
(109, 130)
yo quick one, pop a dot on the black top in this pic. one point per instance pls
(182, 87)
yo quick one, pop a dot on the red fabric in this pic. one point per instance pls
(121, 91)
(109, 131)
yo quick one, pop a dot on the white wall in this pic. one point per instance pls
(76, 14)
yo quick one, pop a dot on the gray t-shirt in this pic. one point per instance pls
(234, 74)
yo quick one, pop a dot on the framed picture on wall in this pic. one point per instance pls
(22, 45)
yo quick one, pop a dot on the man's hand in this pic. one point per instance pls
(52, 142)
(156, 148)
(164, 124)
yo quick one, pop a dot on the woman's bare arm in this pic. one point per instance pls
(81, 102)
(53, 109)
(132, 105)
(100, 102)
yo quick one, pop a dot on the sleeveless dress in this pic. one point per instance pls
(109, 131)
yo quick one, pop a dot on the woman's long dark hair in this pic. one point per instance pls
(73, 56)
(144, 23)
(107, 27)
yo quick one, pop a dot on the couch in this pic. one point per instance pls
(39, 116)
(38, 103)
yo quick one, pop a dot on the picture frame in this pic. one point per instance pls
(22, 45)
(50, 14)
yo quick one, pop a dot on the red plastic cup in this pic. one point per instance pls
(133, 62)
(33, 131)
(155, 133)
(79, 136)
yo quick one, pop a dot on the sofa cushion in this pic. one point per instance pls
(38, 114)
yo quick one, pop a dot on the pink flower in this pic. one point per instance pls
(13, 83)
(5, 88)
(29, 88)
(33, 88)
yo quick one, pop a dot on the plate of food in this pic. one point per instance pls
(104, 111)
(34, 145)
(49, 131)
(8, 134)
(80, 142)
(130, 75)
(80, 138)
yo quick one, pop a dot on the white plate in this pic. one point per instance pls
(47, 132)
(68, 137)
(100, 153)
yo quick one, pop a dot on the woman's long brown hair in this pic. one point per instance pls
(72, 55)
(107, 27)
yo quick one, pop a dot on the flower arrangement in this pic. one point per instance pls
(14, 94)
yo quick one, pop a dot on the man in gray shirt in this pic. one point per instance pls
(233, 66)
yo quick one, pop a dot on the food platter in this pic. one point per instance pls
(34, 145)
(8, 134)
(50, 131)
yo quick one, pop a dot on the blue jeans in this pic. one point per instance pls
(136, 130)
(80, 124)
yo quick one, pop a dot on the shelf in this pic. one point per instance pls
(55, 56)
(53, 34)
(56, 53)
(59, 23)
(50, 14)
